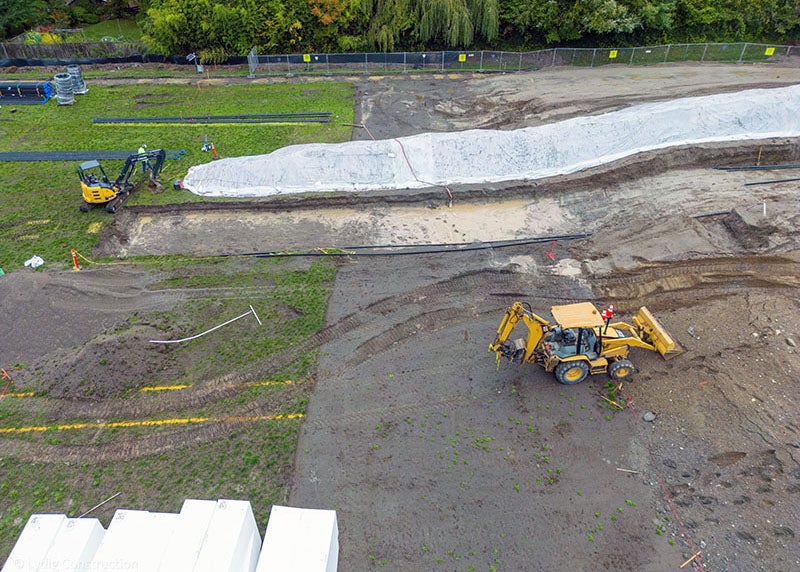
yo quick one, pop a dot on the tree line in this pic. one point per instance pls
(217, 28)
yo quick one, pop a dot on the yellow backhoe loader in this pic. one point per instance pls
(580, 342)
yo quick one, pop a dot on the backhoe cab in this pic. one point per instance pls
(99, 190)
(579, 342)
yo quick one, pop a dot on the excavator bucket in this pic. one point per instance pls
(652, 332)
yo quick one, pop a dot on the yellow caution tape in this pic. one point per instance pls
(150, 423)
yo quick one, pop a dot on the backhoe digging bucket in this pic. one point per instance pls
(652, 332)
(155, 186)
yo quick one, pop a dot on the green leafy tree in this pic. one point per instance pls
(539, 21)
(397, 24)
(709, 20)
(390, 23)
(16, 16)
(338, 25)
(454, 23)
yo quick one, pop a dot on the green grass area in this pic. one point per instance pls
(39, 215)
(39, 201)
(246, 464)
(252, 461)
(118, 29)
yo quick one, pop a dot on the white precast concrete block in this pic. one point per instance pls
(232, 540)
(34, 543)
(74, 545)
(135, 540)
(190, 534)
(300, 540)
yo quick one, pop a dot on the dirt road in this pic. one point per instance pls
(435, 457)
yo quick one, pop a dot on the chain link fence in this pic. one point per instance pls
(498, 61)
(399, 62)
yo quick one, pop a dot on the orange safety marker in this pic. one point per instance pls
(551, 254)
(6, 377)
(74, 259)
(213, 151)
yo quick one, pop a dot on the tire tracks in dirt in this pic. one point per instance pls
(387, 322)
(209, 392)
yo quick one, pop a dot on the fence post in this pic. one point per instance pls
(405, 60)
(519, 65)
(594, 53)
(481, 64)
(741, 56)
(666, 54)
(553, 63)
(703, 57)
(633, 52)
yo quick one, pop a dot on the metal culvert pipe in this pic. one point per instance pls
(78, 85)
(64, 93)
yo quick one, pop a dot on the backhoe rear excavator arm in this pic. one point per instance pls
(537, 326)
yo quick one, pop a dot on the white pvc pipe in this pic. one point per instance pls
(251, 311)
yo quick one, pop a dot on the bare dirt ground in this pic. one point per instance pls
(436, 458)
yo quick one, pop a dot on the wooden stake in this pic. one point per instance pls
(101, 504)
(628, 471)
(695, 555)
(612, 402)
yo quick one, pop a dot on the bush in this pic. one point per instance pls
(84, 16)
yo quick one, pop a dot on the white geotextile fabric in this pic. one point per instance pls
(482, 156)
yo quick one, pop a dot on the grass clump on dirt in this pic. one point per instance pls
(216, 417)
(39, 200)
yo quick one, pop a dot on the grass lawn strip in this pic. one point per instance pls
(39, 201)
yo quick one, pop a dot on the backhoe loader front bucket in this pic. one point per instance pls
(652, 332)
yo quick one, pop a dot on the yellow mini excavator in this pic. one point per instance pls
(98, 189)
(580, 342)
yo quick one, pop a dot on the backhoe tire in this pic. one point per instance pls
(621, 370)
(572, 372)
(85, 207)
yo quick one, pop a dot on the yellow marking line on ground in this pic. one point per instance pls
(150, 423)
(21, 394)
(164, 387)
(179, 387)
(253, 383)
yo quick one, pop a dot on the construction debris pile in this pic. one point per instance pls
(483, 156)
